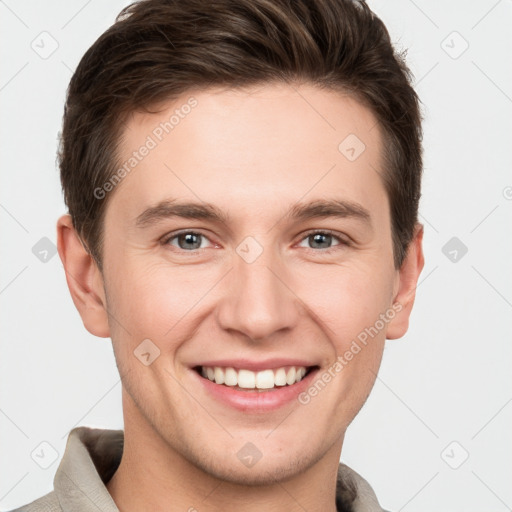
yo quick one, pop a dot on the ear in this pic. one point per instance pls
(84, 279)
(407, 281)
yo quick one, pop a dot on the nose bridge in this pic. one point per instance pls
(258, 303)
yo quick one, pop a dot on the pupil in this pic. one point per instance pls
(319, 238)
(191, 241)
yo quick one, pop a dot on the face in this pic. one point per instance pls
(253, 235)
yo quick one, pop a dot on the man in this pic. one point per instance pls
(243, 180)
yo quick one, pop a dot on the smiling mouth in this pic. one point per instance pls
(260, 381)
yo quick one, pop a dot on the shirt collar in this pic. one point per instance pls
(93, 455)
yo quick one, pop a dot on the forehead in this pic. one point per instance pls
(251, 147)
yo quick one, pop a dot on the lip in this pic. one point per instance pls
(256, 366)
(254, 401)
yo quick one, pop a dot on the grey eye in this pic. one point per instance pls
(187, 241)
(320, 240)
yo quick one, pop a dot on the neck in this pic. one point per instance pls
(154, 476)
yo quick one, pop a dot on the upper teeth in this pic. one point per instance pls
(265, 379)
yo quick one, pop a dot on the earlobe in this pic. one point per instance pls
(84, 279)
(407, 282)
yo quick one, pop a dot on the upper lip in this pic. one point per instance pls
(256, 365)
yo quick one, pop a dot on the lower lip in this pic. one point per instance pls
(256, 401)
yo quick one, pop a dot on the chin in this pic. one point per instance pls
(267, 467)
(263, 473)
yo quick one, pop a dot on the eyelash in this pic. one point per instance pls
(342, 239)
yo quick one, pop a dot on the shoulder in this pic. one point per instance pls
(47, 503)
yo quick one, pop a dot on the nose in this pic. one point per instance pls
(258, 300)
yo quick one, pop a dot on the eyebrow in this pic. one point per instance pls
(171, 208)
(320, 208)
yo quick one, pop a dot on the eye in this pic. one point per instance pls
(323, 240)
(190, 241)
(186, 240)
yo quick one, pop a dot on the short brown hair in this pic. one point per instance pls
(159, 49)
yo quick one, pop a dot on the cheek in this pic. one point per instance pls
(163, 303)
(155, 300)
(347, 300)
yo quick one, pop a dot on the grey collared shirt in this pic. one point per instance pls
(93, 455)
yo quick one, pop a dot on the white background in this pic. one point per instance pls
(447, 380)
